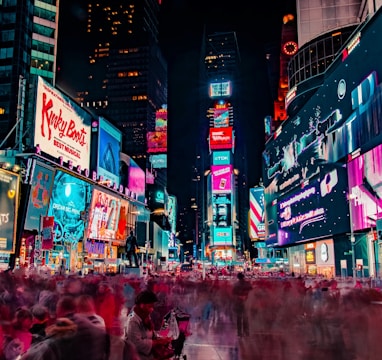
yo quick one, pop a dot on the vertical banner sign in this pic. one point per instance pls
(256, 206)
(47, 232)
(9, 190)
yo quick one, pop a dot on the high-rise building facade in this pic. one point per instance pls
(125, 74)
(28, 43)
(223, 199)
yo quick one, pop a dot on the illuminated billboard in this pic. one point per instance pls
(365, 185)
(221, 117)
(221, 178)
(41, 188)
(158, 161)
(62, 128)
(220, 89)
(9, 195)
(222, 236)
(133, 177)
(309, 212)
(156, 141)
(256, 213)
(70, 197)
(103, 216)
(221, 210)
(109, 147)
(221, 157)
(221, 138)
(161, 120)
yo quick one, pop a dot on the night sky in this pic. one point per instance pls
(181, 31)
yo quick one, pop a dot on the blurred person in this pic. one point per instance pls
(41, 320)
(21, 324)
(105, 304)
(86, 306)
(240, 292)
(72, 336)
(140, 329)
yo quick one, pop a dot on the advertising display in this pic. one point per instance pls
(172, 211)
(62, 128)
(221, 157)
(132, 177)
(310, 212)
(109, 147)
(221, 138)
(136, 181)
(47, 233)
(221, 178)
(70, 197)
(123, 222)
(157, 141)
(9, 194)
(221, 117)
(222, 236)
(256, 214)
(41, 187)
(221, 210)
(103, 216)
(159, 161)
(365, 186)
(343, 116)
(220, 89)
(161, 120)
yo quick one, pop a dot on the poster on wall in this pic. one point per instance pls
(70, 197)
(9, 193)
(42, 181)
(103, 216)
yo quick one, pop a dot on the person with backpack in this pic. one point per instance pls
(131, 249)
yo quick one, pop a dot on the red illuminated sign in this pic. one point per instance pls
(221, 138)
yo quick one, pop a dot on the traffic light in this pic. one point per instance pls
(379, 235)
(359, 267)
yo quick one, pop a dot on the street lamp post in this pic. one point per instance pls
(352, 238)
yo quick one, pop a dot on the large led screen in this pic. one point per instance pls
(221, 178)
(319, 209)
(136, 181)
(343, 116)
(222, 236)
(365, 187)
(157, 141)
(221, 138)
(109, 147)
(70, 197)
(42, 180)
(221, 157)
(62, 128)
(9, 194)
(221, 210)
(221, 117)
(103, 216)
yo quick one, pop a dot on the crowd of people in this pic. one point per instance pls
(119, 317)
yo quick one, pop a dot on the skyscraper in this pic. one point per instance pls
(124, 76)
(28, 43)
(223, 172)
